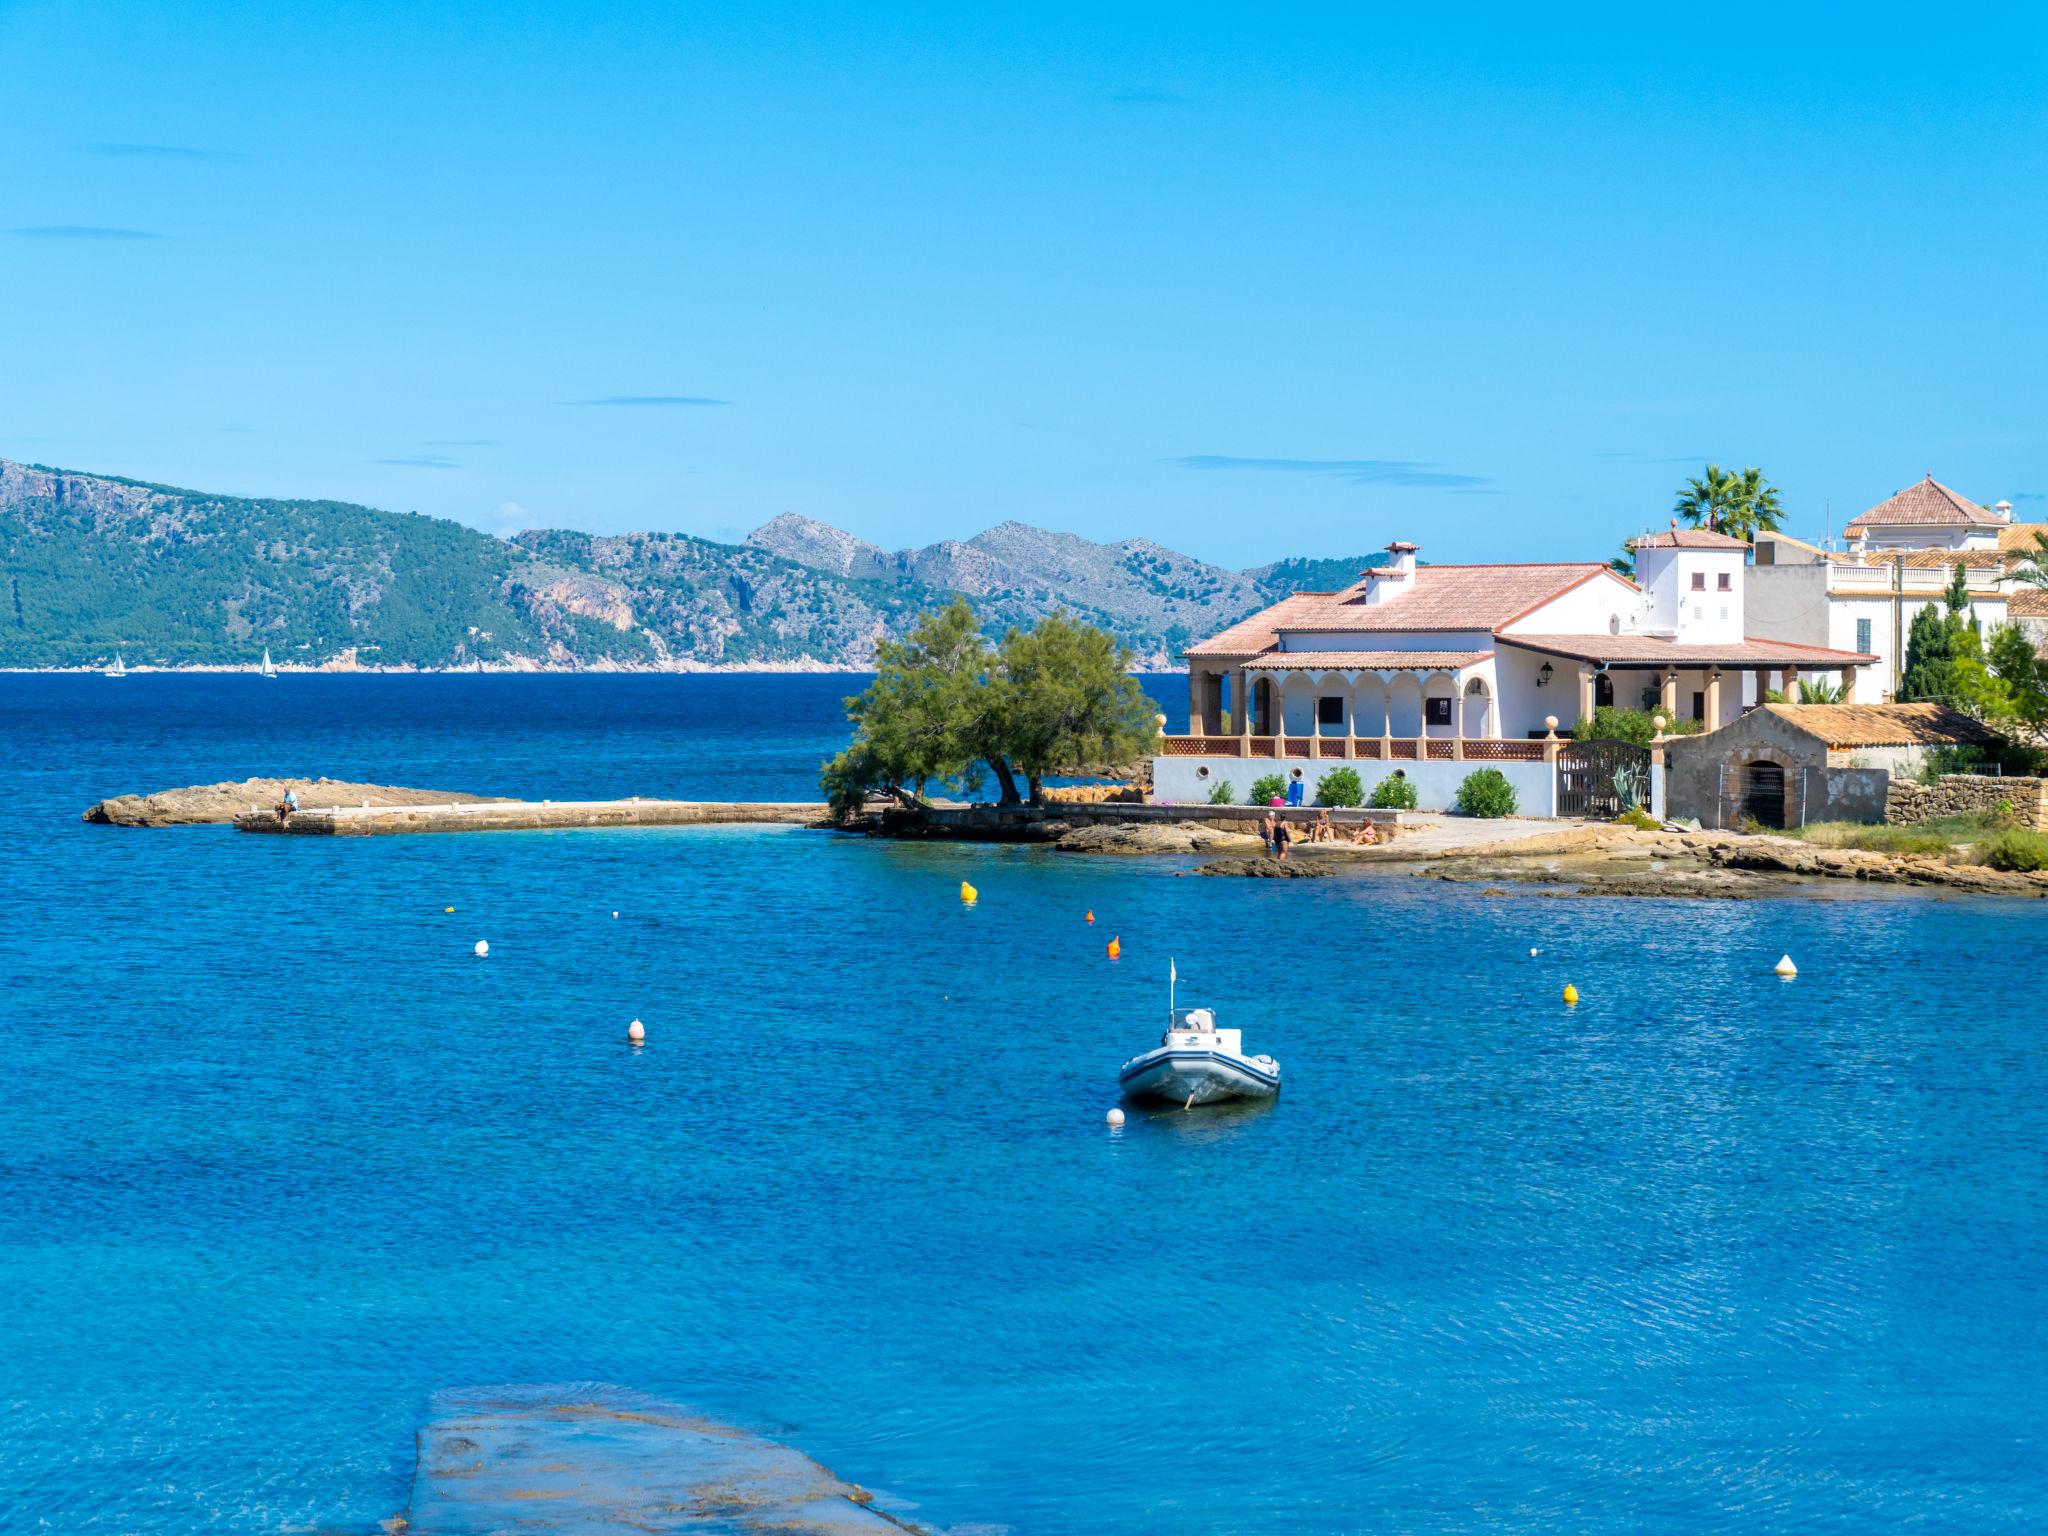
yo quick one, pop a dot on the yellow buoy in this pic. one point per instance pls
(447, 909)
(1571, 995)
(968, 893)
(1785, 967)
(1116, 947)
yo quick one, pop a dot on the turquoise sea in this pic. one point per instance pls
(279, 1157)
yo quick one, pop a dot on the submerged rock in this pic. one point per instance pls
(1265, 869)
(200, 804)
(588, 1460)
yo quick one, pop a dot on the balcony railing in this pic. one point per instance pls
(1358, 749)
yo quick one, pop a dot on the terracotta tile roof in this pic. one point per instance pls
(1368, 661)
(1446, 597)
(1884, 725)
(2027, 603)
(1928, 502)
(1248, 637)
(2018, 538)
(1650, 650)
(1922, 559)
(1688, 538)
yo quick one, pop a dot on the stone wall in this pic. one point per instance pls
(1963, 794)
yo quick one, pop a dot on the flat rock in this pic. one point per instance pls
(200, 804)
(592, 1460)
(1265, 869)
(1130, 837)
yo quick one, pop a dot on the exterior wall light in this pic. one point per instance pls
(1543, 675)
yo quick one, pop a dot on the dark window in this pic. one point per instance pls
(1330, 709)
(1724, 582)
(1699, 707)
(1699, 581)
(1436, 711)
(1603, 689)
(1863, 636)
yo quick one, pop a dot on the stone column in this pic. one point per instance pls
(1714, 699)
(1585, 693)
(1198, 688)
(1789, 685)
(1667, 693)
(1350, 721)
(1848, 685)
(1241, 707)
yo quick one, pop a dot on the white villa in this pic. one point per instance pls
(1429, 669)
(1899, 558)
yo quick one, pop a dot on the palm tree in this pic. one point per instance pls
(1624, 563)
(1740, 504)
(2029, 567)
(1706, 499)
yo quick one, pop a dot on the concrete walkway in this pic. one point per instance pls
(526, 815)
(587, 1460)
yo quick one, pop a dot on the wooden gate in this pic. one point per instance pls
(1763, 793)
(1602, 778)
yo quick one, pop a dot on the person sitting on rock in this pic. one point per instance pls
(287, 807)
(1366, 836)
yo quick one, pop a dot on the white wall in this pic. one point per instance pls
(1697, 617)
(1389, 640)
(1179, 780)
(1588, 609)
(1369, 701)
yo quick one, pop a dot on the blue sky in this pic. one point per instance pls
(1251, 282)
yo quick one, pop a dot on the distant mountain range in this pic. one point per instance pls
(92, 566)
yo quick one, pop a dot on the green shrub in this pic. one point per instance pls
(1958, 759)
(1612, 723)
(2018, 849)
(1638, 818)
(1393, 793)
(1269, 786)
(1916, 837)
(1340, 786)
(1486, 792)
(1222, 794)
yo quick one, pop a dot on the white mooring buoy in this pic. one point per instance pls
(483, 946)
(636, 1031)
(1533, 953)
(1115, 1117)
(1785, 967)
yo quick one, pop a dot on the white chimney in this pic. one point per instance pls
(2004, 511)
(1404, 557)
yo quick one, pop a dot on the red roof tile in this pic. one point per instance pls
(1927, 503)
(1883, 725)
(1688, 538)
(1445, 597)
(1248, 637)
(1368, 661)
(1641, 650)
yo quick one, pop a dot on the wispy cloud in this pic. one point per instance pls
(79, 232)
(161, 152)
(650, 400)
(2028, 496)
(421, 461)
(1351, 471)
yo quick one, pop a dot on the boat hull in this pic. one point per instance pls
(1182, 1075)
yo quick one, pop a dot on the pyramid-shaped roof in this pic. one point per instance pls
(1928, 504)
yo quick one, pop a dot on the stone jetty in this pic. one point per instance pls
(204, 804)
(524, 816)
(589, 1460)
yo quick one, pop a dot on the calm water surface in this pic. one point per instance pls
(279, 1157)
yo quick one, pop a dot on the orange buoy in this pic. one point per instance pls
(1116, 947)
(1091, 917)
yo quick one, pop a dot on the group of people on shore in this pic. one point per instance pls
(1279, 836)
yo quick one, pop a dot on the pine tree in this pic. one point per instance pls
(1930, 657)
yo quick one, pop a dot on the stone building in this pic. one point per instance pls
(1784, 765)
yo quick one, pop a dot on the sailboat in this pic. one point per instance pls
(119, 668)
(268, 669)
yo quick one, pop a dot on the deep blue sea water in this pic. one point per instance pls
(279, 1156)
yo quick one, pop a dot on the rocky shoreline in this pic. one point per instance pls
(219, 804)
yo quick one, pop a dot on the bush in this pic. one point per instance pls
(1267, 787)
(1340, 786)
(1638, 818)
(1393, 793)
(1612, 723)
(1222, 794)
(2018, 849)
(1959, 759)
(1486, 792)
